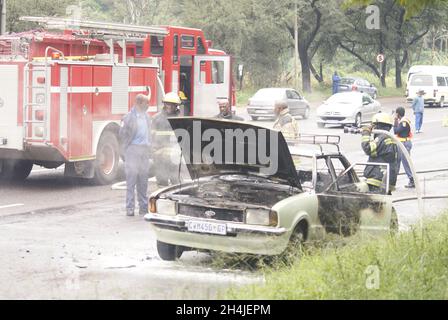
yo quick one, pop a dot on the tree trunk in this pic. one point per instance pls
(398, 69)
(384, 73)
(306, 70)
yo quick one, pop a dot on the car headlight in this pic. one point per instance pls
(163, 206)
(261, 217)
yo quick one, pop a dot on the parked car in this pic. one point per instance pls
(434, 84)
(236, 208)
(347, 108)
(261, 105)
(348, 84)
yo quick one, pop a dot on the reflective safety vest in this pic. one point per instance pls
(410, 136)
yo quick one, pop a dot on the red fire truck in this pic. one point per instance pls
(63, 93)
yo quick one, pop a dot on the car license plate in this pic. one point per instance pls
(207, 227)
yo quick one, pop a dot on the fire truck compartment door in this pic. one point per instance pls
(208, 88)
(11, 134)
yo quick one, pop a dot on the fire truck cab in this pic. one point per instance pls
(63, 94)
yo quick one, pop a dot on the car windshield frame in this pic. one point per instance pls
(341, 98)
(269, 94)
(347, 81)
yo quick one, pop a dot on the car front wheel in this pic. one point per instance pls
(321, 125)
(168, 252)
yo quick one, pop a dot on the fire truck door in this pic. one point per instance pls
(208, 88)
(80, 132)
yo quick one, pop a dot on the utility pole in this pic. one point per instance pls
(3, 17)
(296, 47)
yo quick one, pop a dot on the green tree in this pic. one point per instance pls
(19, 8)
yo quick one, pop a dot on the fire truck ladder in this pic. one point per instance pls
(35, 109)
(105, 28)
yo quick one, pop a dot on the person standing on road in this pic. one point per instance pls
(135, 139)
(164, 141)
(380, 149)
(418, 105)
(336, 81)
(403, 130)
(225, 111)
(285, 122)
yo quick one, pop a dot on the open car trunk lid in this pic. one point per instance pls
(213, 147)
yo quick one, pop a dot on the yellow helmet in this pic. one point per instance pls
(382, 117)
(172, 97)
(182, 95)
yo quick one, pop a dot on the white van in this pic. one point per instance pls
(426, 69)
(434, 84)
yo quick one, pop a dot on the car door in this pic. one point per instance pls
(368, 107)
(362, 210)
(294, 102)
(330, 205)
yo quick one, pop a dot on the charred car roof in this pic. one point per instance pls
(245, 153)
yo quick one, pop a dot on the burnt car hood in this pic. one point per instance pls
(190, 134)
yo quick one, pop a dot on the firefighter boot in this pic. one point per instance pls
(411, 184)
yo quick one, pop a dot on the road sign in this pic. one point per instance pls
(380, 58)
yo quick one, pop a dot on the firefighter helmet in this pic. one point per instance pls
(383, 118)
(172, 97)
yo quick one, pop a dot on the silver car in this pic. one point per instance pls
(347, 108)
(261, 105)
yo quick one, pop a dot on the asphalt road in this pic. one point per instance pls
(65, 238)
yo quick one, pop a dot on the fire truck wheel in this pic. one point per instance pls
(107, 159)
(15, 170)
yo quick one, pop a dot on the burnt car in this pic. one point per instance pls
(239, 206)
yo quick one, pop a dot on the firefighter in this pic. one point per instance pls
(403, 130)
(285, 122)
(381, 149)
(135, 138)
(164, 141)
(225, 111)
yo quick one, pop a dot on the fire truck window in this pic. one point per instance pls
(201, 47)
(218, 72)
(156, 45)
(187, 42)
(176, 49)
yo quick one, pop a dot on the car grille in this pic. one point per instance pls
(220, 214)
(333, 118)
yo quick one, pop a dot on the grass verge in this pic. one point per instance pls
(411, 265)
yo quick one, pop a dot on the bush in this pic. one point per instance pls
(411, 265)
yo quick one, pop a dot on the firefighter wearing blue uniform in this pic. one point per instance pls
(381, 149)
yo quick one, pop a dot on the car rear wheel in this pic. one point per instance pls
(358, 120)
(254, 118)
(107, 159)
(321, 125)
(15, 170)
(168, 252)
(306, 115)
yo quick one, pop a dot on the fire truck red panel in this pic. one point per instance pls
(80, 111)
(102, 97)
